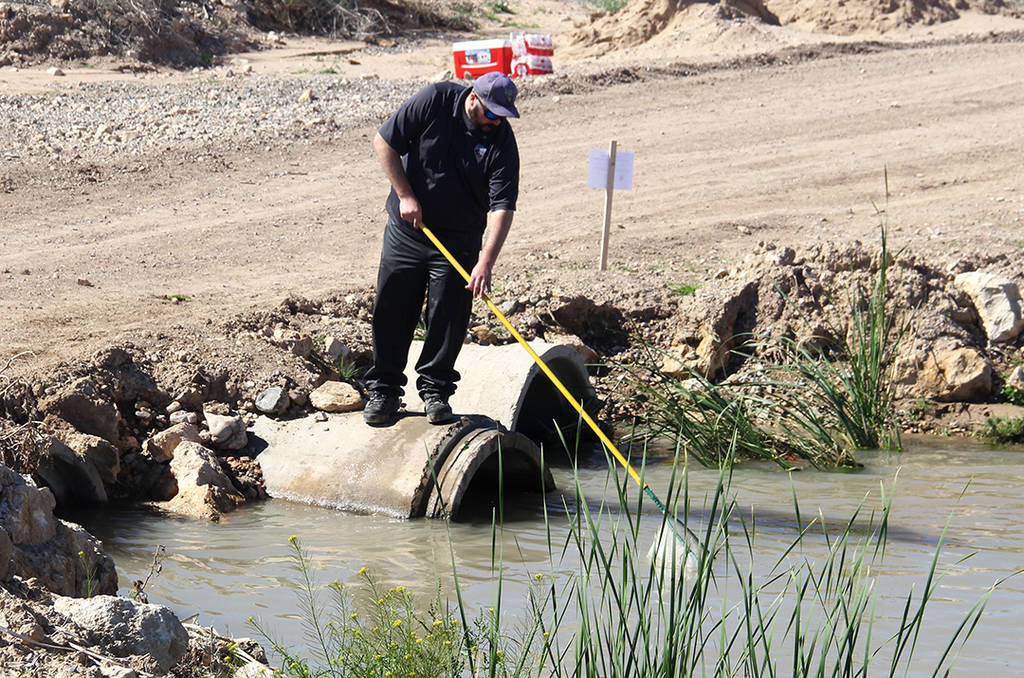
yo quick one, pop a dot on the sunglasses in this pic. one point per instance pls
(489, 115)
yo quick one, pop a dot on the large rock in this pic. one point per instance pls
(124, 628)
(204, 490)
(716, 337)
(227, 431)
(336, 396)
(273, 400)
(103, 456)
(998, 303)
(956, 375)
(160, 448)
(61, 556)
(81, 406)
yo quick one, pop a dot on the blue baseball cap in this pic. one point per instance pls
(498, 93)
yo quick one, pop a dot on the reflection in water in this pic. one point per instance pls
(241, 566)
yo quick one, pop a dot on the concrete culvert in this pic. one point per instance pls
(414, 469)
(481, 464)
(408, 470)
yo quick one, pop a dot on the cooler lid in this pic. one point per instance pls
(480, 44)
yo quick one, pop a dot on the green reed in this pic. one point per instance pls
(849, 394)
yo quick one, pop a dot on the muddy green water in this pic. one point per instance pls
(240, 567)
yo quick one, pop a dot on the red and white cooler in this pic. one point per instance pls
(531, 64)
(477, 57)
(531, 54)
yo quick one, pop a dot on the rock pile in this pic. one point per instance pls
(59, 608)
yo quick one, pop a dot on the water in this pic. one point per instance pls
(242, 566)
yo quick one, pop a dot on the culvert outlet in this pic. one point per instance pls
(413, 468)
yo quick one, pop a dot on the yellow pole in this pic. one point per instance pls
(540, 363)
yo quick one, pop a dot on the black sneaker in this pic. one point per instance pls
(380, 409)
(437, 408)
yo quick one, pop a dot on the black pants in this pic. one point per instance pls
(409, 269)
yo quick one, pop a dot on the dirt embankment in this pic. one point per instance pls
(192, 32)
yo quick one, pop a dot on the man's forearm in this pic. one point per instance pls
(498, 224)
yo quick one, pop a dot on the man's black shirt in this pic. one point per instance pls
(457, 173)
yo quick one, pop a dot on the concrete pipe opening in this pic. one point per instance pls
(544, 413)
(483, 465)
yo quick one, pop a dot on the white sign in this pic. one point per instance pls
(597, 174)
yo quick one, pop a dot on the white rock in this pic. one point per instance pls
(54, 71)
(122, 627)
(336, 396)
(223, 428)
(160, 447)
(1016, 378)
(997, 301)
(336, 350)
(204, 490)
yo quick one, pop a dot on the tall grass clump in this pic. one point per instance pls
(815, 405)
(848, 392)
(711, 424)
(598, 607)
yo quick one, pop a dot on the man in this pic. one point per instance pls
(453, 164)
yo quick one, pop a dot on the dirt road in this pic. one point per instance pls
(790, 153)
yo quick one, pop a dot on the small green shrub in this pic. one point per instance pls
(371, 632)
(347, 370)
(90, 576)
(921, 408)
(684, 290)
(1003, 431)
(1012, 394)
(500, 7)
(609, 6)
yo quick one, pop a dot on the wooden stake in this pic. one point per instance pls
(609, 189)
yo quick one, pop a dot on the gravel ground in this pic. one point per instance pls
(95, 121)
